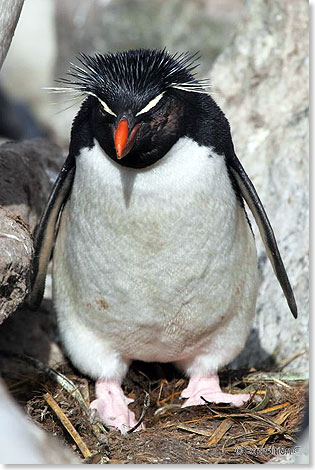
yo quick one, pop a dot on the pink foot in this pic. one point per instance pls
(209, 388)
(112, 406)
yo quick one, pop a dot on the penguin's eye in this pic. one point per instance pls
(151, 104)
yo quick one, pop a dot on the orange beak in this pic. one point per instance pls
(123, 143)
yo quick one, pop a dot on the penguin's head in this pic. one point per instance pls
(141, 101)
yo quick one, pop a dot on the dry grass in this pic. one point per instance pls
(204, 434)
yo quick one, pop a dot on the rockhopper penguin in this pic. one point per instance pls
(154, 258)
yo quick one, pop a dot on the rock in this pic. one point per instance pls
(176, 25)
(22, 442)
(16, 250)
(261, 83)
(30, 333)
(27, 171)
(10, 11)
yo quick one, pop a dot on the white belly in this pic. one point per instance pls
(154, 264)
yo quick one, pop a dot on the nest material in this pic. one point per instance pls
(267, 426)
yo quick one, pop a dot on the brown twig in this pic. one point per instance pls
(68, 425)
(220, 431)
(146, 405)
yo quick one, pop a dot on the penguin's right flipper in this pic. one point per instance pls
(46, 231)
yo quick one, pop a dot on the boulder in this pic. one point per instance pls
(10, 11)
(261, 83)
(27, 170)
(24, 443)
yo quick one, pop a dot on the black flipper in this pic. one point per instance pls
(46, 230)
(250, 195)
(81, 136)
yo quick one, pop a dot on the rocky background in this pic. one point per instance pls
(256, 53)
(261, 83)
(57, 30)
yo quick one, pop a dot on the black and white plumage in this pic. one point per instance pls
(154, 257)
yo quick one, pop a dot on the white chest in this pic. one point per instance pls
(153, 251)
(152, 208)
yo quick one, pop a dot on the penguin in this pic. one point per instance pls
(153, 254)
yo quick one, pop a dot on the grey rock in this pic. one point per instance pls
(22, 442)
(16, 249)
(261, 83)
(100, 26)
(30, 333)
(26, 173)
(10, 11)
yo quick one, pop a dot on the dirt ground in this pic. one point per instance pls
(267, 425)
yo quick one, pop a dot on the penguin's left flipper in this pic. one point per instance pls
(46, 231)
(251, 197)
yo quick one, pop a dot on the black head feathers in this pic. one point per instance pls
(131, 71)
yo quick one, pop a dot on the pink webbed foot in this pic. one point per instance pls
(111, 405)
(209, 388)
